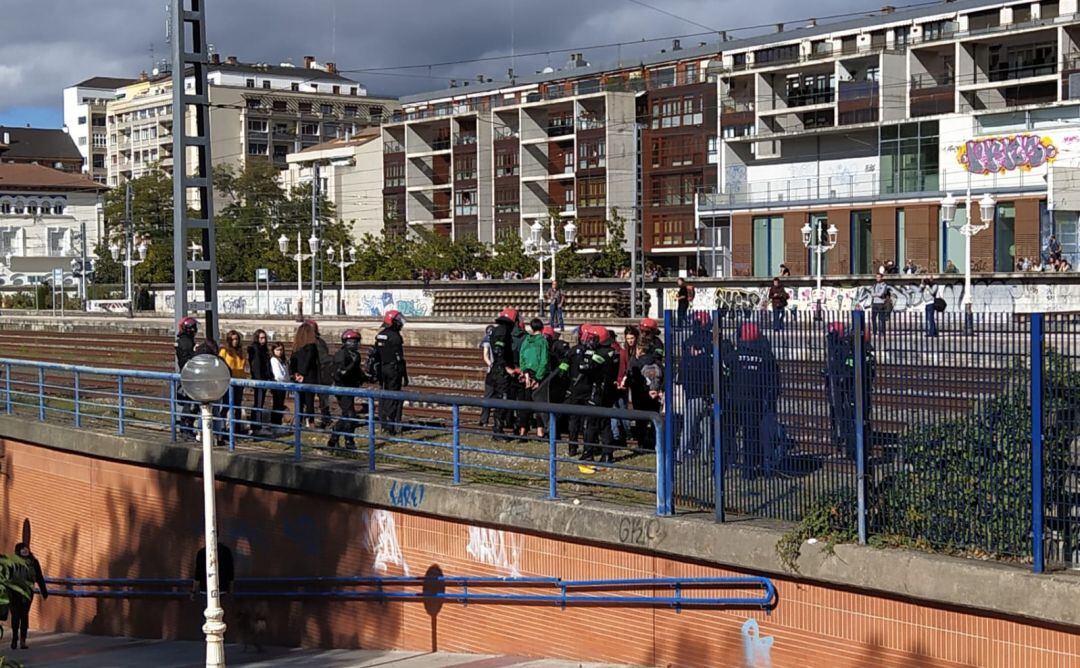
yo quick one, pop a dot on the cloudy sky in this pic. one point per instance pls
(50, 44)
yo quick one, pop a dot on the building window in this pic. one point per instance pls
(326, 109)
(395, 175)
(82, 141)
(257, 125)
(82, 120)
(352, 90)
(57, 240)
(506, 163)
(768, 243)
(673, 230)
(281, 105)
(7, 240)
(819, 224)
(506, 200)
(713, 151)
(294, 87)
(677, 112)
(690, 76)
(936, 30)
(592, 154)
(58, 209)
(253, 103)
(909, 157)
(330, 129)
(351, 111)
(465, 203)
(662, 78)
(901, 238)
(309, 129)
(375, 114)
(250, 83)
(266, 84)
(257, 148)
(592, 193)
(465, 168)
(862, 246)
(99, 162)
(674, 190)
(1005, 237)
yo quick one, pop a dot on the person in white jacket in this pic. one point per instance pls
(279, 366)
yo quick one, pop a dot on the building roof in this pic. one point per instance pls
(872, 18)
(43, 144)
(359, 139)
(105, 83)
(27, 176)
(311, 73)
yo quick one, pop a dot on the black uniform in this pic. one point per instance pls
(757, 379)
(390, 354)
(502, 349)
(29, 575)
(347, 372)
(259, 361)
(578, 392)
(601, 369)
(639, 386)
(185, 350)
(840, 386)
(326, 377)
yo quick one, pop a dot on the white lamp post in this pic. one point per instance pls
(987, 205)
(543, 250)
(205, 378)
(283, 246)
(818, 244)
(342, 264)
(129, 263)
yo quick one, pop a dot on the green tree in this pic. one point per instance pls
(508, 254)
(151, 221)
(613, 257)
(383, 258)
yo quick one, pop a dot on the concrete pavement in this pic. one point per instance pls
(67, 650)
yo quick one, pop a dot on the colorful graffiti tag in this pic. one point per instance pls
(1004, 154)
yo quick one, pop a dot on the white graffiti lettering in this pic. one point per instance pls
(495, 548)
(380, 537)
(756, 649)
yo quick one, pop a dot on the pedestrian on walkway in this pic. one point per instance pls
(259, 362)
(27, 573)
(236, 359)
(304, 368)
(279, 366)
(392, 372)
(778, 297)
(682, 299)
(185, 350)
(489, 378)
(931, 293)
(556, 300)
(881, 304)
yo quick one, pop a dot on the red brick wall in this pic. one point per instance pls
(96, 518)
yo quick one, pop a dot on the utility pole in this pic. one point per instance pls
(128, 249)
(82, 268)
(316, 306)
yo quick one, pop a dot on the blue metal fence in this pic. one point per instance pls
(436, 433)
(912, 431)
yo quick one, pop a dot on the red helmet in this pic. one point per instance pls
(549, 332)
(749, 332)
(393, 318)
(509, 314)
(350, 334)
(648, 324)
(314, 325)
(187, 325)
(593, 333)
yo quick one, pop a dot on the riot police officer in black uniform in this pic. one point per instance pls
(185, 350)
(840, 384)
(393, 375)
(600, 367)
(757, 379)
(504, 369)
(347, 372)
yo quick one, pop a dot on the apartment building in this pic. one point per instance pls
(350, 177)
(258, 112)
(43, 214)
(84, 121)
(867, 124)
(39, 146)
(481, 159)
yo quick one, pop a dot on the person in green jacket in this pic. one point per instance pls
(533, 362)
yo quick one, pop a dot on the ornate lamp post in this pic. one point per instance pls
(818, 241)
(987, 206)
(546, 249)
(342, 264)
(300, 256)
(129, 263)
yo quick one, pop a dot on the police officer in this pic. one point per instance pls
(600, 367)
(840, 384)
(185, 350)
(559, 352)
(696, 378)
(757, 377)
(393, 375)
(578, 388)
(504, 369)
(347, 372)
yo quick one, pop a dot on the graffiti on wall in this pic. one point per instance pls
(380, 538)
(495, 548)
(368, 303)
(1004, 154)
(757, 649)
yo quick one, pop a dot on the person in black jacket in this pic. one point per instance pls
(643, 392)
(326, 375)
(757, 379)
(185, 350)
(600, 367)
(393, 374)
(259, 362)
(348, 371)
(28, 573)
(504, 370)
(304, 367)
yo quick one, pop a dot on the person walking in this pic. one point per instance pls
(348, 372)
(393, 374)
(279, 367)
(26, 574)
(778, 297)
(185, 350)
(489, 378)
(682, 299)
(880, 304)
(931, 294)
(304, 368)
(259, 363)
(236, 359)
(556, 300)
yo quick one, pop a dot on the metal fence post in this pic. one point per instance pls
(298, 424)
(120, 405)
(665, 468)
(371, 433)
(717, 418)
(78, 416)
(172, 412)
(455, 412)
(553, 463)
(232, 421)
(41, 394)
(7, 388)
(859, 326)
(1038, 522)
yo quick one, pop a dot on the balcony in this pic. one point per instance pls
(932, 94)
(591, 124)
(393, 147)
(1011, 73)
(504, 132)
(809, 98)
(560, 128)
(733, 106)
(465, 140)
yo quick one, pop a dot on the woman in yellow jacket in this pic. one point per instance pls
(235, 357)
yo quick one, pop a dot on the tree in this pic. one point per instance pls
(508, 254)
(613, 257)
(151, 220)
(383, 258)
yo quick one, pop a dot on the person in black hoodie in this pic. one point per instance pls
(600, 367)
(348, 372)
(259, 362)
(304, 367)
(185, 350)
(28, 573)
(505, 369)
(326, 375)
(393, 374)
(643, 389)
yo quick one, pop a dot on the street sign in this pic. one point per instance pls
(58, 276)
(262, 274)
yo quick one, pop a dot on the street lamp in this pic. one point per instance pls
(129, 263)
(283, 246)
(987, 206)
(818, 244)
(543, 250)
(205, 378)
(342, 263)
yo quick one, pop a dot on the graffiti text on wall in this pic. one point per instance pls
(1004, 154)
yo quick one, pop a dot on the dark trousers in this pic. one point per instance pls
(504, 389)
(749, 415)
(880, 316)
(556, 319)
(489, 393)
(346, 424)
(20, 619)
(390, 409)
(324, 407)
(778, 315)
(931, 320)
(258, 414)
(598, 438)
(307, 405)
(237, 413)
(187, 413)
(681, 315)
(277, 409)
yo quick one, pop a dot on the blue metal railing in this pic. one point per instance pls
(679, 593)
(433, 434)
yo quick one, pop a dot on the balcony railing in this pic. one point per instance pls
(924, 81)
(857, 90)
(393, 147)
(591, 124)
(504, 132)
(560, 129)
(810, 98)
(440, 144)
(730, 106)
(465, 210)
(465, 140)
(1013, 73)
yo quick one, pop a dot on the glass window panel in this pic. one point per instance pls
(1005, 237)
(952, 242)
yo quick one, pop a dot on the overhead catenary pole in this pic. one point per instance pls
(314, 231)
(128, 246)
